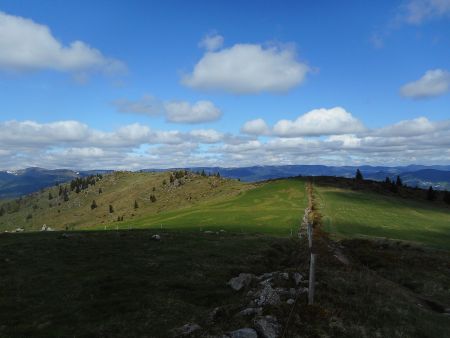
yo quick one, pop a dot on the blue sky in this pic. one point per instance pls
(292, 82)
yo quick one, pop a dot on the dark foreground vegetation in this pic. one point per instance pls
(126, 284)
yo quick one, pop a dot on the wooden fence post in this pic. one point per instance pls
(312, 279)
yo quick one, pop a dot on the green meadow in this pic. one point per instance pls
(350, 214)
(273, 207)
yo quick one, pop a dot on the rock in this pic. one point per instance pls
(292, 292)
(243, 280)
(212, 316)
(250, 311)
(268, 296)
(267, 327)
(156, 237)
(244, 333)
(282, 291)
(297, 278)
(267, 275)
(185, 330)
(284, 275)
(266, 282)
(290, 301)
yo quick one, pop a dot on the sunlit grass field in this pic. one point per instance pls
(273, 207)
(351, 214)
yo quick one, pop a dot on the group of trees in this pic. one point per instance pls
(394, 185)
(82, 183)
(203, 173)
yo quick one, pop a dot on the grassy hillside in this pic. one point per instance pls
(348, 213)
(190, 202)
(120, 190)
(116, 284)
(270, 207)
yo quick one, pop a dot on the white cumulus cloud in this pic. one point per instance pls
(211, 42)
(433, 83)
(248, 69)
(255, 127)
(185, 112)
(417, 11)
(319, 122)
(174, 111)
(147, 105)
(26, 45)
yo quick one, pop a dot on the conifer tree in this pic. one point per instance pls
(447, 197)
(50, 196)
(431, 194)
(136, 204)
(399, 182)
(358, 175)
(111, 209)
(93, 205)
(2, 211)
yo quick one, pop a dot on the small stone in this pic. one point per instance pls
(267, 327)
(284, 275)
(212, 316)
(282, 291)
(297, 278)
(290, 301)
(265, 276)
(266, 282)
(250, 311)
(208, 232)
(186, 330)
(156, 237)
(292, 292)
(268, 296)
(244, 333)
(243, 280)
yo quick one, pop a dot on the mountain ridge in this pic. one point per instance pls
(14, 183)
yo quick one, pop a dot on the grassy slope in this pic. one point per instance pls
(120, 190)
(121, 284)
(116, 284)
(273, 207)
(349, 213)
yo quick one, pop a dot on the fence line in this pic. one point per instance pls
(308, 226)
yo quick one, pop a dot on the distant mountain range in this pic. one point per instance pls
(25, 181)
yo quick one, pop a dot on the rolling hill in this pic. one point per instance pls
(21, 182)
(184, 200)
